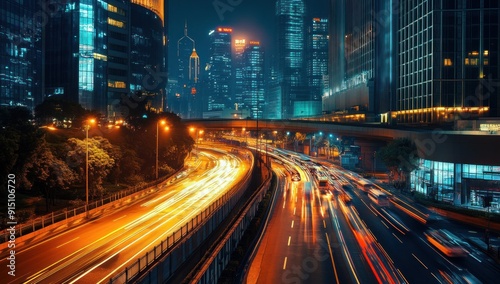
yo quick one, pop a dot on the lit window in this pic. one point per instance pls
(116, 23)
(117, 84)
(447, 62)
(486, 61)
(486, 53)
(99, 56)
(467, 62)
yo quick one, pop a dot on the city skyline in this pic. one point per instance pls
(252, 20)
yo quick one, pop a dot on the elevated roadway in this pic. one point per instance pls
(465, 147)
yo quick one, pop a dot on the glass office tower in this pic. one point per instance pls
(220, 69)
(21, 57)
(147, 46)
(317, 59)
(253, 78)
(448, 57)
(363, 62)
(291, 40)
(99, 52)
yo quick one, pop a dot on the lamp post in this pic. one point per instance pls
(162, 122)
(87, 127)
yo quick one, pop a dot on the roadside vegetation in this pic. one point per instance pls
(47, 153)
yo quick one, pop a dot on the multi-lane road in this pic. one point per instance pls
(323, 239)
(98, 249)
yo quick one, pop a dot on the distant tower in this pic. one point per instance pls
(185, 48)
(239, 48)
(290, 16)
(220, 69)
(317, 59)
(253, 79)
(194, 101)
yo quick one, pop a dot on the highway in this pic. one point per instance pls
(98, 249)
(304, 243)
(326, 239)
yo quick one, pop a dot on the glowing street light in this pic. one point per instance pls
(162, 122)
(87, 125)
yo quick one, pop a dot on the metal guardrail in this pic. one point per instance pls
(68, 213)
(202, 224)
(213, 267)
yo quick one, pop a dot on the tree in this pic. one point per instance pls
(46, 173)
(299, 137)
(100, 162)
(400, 157)
(65, 113)
(18, 139)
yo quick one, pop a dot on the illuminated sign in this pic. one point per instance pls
(225, 30)
(239, 41)
(490, 127)
(254, 42)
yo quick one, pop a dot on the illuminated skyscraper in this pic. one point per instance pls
(188, 71)
(98, 53)
(290, 16)
(147, 51)
(87, 48)
(253, 79)
(220, 69)
(363, 61)
(448, 58)
(239, 48)
(317, 59)
(21, 55)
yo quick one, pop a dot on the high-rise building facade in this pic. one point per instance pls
(362, 59)
(238, 65)
(253, 79)
(448, 56)
(87, 49)
(188, 68)
(220, 69)
(317, 57)
(147, 56)
(291, 40)
(98, 53)
(21, 57)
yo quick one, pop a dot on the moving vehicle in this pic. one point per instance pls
(378, 197)
(364, 185)
(446, 242)
(322, 183)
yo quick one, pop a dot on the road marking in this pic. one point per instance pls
(284, 264)
(284, 202)
(119, 218)
(419, 261)
(289, 240)
(294, 209)
(435, 277)
(292, 223)
(331, 257)
(324, 223)
(473, 232)
(397, 238)
(67, 242)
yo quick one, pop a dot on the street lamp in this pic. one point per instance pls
(87, 127)
(162, 122)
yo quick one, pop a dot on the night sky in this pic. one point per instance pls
(251, 19)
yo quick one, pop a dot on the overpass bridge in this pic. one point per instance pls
(465, 147)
